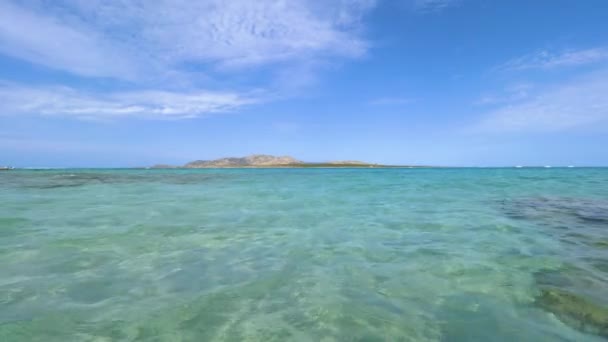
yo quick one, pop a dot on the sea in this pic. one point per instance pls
(371, 254)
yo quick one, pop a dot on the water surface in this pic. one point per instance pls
(301, 254)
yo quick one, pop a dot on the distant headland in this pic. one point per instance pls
(269, 161)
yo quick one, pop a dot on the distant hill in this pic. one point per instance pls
(256, 160)
(264, 160)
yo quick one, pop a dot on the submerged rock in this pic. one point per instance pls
(579, 223)
(541, 208)
(575, 311)
(601, 243)
(572, 278)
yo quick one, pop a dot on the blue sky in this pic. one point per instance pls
(441, 82)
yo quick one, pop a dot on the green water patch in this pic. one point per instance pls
(601, 243)
(201, 319)
(91, 291)
(481, 317)
(49, 328)
(69, 263)
(576, 311)
(166, 229)
(289, 304)
(600, 264)
(575, 296)
(14, 226)
(560, 277)
(126, 244)
(216, 316)
(236, 313)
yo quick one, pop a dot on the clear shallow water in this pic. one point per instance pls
(300, 254)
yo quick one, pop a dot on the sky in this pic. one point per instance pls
(108, 83)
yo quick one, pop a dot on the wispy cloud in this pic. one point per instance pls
(128, 39)
(65, 101)
(576, 104)
(166, 45)
(433, 5)
(552, 60)
(46, 40)
(510, 94)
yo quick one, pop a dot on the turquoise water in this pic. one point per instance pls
(301, 254)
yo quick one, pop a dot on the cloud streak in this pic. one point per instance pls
(45, 40)
(69, 102)
(433, 5)
(120, 38)
(576, 104)
(546, 60)
(171, 44)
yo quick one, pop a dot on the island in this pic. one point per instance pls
(270, 161)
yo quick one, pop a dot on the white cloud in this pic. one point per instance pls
(64, 101)
(127, 39)
(580, 103)
(45, 40)
(551, 60)
(171, 44)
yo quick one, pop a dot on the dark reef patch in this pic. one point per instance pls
(576, 297)
(575, 311)
(78, 179)
(581, 224)
(577, 293)
(539, 208)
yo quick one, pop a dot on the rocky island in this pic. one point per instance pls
(268, 161)
(256, 160)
